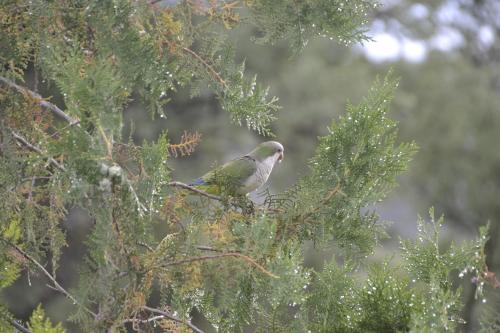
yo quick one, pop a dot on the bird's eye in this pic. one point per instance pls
(280, 150)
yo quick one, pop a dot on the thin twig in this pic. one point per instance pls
(52, 107)
(107, 142)
(207, 248)
(299, 26)
(30, 195)
(143, 244)
(50, 277)
(144, 321)
(194, 189)
(34, 148)
(324, 201)
(174, 318)
(19, 327)
(22, 181)
(207, 65)
(140, 206)
(223, 255)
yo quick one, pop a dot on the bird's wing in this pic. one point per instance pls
(230, 177)
(234, 172)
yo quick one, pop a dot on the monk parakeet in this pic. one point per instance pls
(242, 175)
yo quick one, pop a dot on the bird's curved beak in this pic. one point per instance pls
(280, 157)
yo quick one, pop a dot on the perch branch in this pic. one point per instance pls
(193, 189)
(57, 286)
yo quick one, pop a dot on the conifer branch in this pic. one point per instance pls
(187, 144)
(34, 148)
(223, 255)
(56, 286)
(43, 103)
(195, 190)
(163, 314)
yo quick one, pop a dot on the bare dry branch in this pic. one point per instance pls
(56, 286)
(34, 148)
(169, 316)
(19, 327)
(207, 248)
(52, 107)
(144, 321)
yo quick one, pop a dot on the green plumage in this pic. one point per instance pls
(229, 177)
(245, 174)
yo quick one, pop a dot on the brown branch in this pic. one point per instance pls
(297, 220)
(223, 255)
(207, 65)
(207, 248)
(52, 107)
(325, 200)
(34, 148)
(172, 317)
(57, 286)
(195, 190)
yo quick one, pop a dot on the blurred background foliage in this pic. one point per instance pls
(447, 55)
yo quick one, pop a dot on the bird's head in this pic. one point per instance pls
(268, 149)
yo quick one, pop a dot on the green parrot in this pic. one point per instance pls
(242, 175)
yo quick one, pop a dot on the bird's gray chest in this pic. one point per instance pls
(262, 172)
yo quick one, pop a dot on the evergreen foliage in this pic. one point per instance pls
(235, 264)
(39, 323)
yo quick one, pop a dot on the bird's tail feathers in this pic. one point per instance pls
(197, 182)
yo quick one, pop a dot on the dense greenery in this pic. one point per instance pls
(236, 265)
